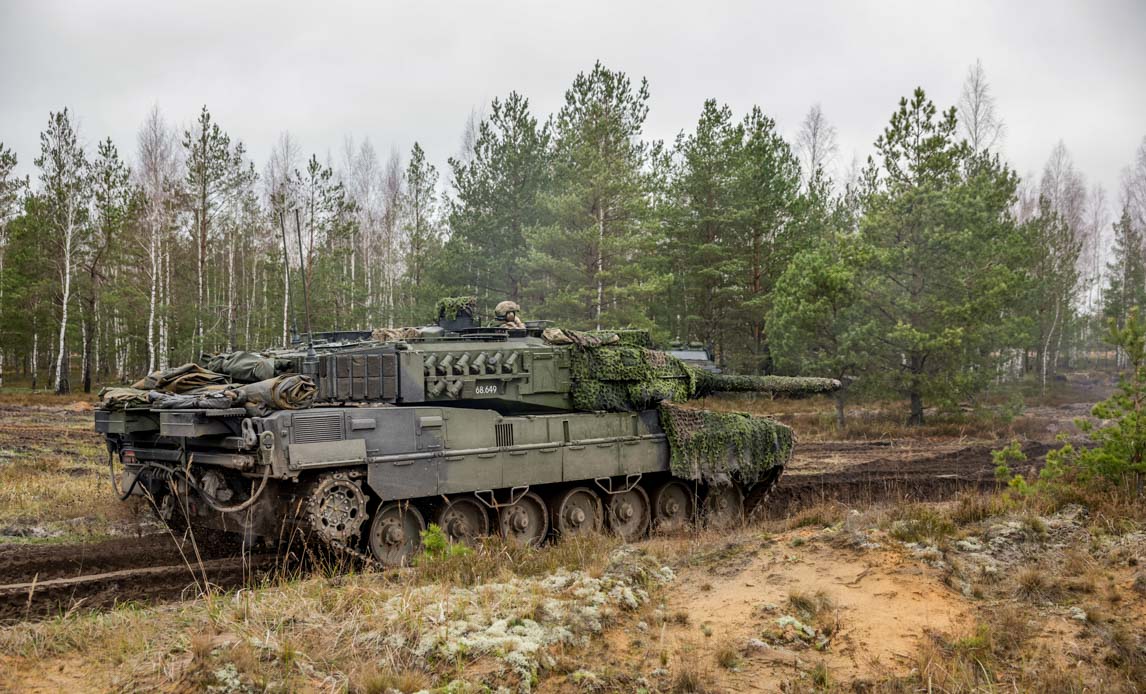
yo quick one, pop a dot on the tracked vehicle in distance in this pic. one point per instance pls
(364, 441)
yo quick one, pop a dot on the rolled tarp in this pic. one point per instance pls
(247, 367)
(180, 379)
(286, 392)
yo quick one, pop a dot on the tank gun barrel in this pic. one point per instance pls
(707, 383)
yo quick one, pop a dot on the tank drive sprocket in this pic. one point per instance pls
(336, 508)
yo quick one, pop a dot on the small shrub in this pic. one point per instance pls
(821, 678)
(1005, 458)
(916, 523)
(1031, 584)
(727, 656)
(437, 545)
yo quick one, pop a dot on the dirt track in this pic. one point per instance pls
(39, 580)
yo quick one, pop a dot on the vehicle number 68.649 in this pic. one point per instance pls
(489, 389)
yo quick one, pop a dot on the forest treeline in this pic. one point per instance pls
(926, 272)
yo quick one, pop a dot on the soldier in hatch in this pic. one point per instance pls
(507, 313)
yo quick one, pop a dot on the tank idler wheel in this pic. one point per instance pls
(577, 511)
(463, 519)
(525, 522)
(673, 506)
(396, 533)
(723, 506)
(628, 514)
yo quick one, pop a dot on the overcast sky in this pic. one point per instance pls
(400, 72)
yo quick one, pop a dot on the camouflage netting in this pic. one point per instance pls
(633, 338)
(707, 383)
(450, 306)
(394, 334)
(622, 378)
(717, 447)
(612, 374)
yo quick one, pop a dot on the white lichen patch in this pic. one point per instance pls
(517, 620)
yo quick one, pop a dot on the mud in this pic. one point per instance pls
(44, 580)
(890, 474)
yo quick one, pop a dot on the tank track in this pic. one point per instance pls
(568, 511)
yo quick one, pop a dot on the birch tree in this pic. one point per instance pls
(157, 176)
(279, 189)
(978, 118)
(816, 144)
(66, 191)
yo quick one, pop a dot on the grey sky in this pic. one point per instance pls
(400, 72)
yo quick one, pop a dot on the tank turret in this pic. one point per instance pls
(523, 370)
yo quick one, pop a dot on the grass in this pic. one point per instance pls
(356, 632)
(996, 414)
(920, 523)
(817, 610)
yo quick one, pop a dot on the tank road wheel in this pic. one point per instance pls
(577, 512)
(463, 519)
(673, 506)
(396, 533)
(723, 506)
(337, 508)
(628, 514)
(526, 522)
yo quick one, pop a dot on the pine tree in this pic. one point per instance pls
(816, 320)
(216, 172)
(587, 262)
(11, 189)
(768, 183)
(702, 229)
(499, 199)
(421, 234)
(113, 200)
(1126, 287)
(940, 256)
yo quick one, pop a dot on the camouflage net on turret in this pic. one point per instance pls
(623, 378)
(633, 338)
(718, 447)
(451, 306)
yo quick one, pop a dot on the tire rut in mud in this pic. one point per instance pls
(44, 599)
(907, 478)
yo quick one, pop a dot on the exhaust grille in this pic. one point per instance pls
(504, 434)
(316, 428)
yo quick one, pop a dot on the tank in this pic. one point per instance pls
(361, 440)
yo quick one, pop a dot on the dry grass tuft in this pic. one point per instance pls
(689, 676)
(727, 655)
(920, 523)
(816, 609)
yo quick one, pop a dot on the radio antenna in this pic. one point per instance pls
(310, 364)
(286, 269)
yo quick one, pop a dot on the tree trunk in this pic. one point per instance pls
(841, 424)
(232, 307)
(87, 328)
(600, 262)
(62, 385)
(916, 418)
(35, 353)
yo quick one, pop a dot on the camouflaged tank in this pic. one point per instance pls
(364, 439)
